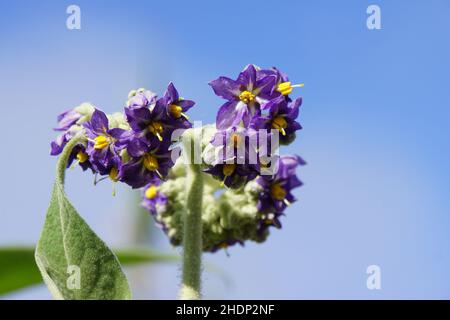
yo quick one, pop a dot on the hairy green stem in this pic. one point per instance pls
(192, 229)
(64, 157)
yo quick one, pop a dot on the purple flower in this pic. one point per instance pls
(141, 98)
(69, 123)
(57, 146)
(153, 198)
(79, 154)
(276, 190)
(147, 164)
(148, 124)
(67, 119)
(282, 116)
(176, 107)
(104, 144)
(232, 175)
(156, 123)
(245, 96)
(236, 158)
(282, 85)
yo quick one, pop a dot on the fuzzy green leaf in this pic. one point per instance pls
(74, 262)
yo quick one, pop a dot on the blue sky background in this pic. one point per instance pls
(376, 131)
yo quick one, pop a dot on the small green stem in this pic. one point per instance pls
(192, 231)
(64, 157)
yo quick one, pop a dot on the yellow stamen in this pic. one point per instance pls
(228, 169)
(113, 174)
(82, 156)
(280, 124)
(236, 139)
(151, 192)
(156, 128)
(150, 162)
(286, 88)
(101, 142)
(175, 111)
(246, 96)
(277, 191)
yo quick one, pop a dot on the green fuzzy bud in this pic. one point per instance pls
(86, 110)
(118, 120)
(227, 214)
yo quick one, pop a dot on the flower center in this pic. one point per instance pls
(280, 124)
(277, 192)
(113, 174)
(101, 142)
(150, 162)
(175, 111)
(228, 169)
(156, 128)
(151, 192)
(82, 156)
(286, 88)
(246, 96)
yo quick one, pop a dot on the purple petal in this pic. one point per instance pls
(57, 146)
(294, 107)
(247, 77)
(118, 133)
(294, 126)
(133, 174)
(226, 88)
(260, 123)
(171, 93)
(186, 104)
(138, 118)
(99, 122)
(294, 182)
(265, 85)
(230, 114)
(136, 148)
(67, 119)
(273, 105)
(122, 137)
(158, 112)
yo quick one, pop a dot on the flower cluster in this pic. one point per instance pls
(229, 217)
(258, 106)
(240, 153)
(258, 103)
(131, 146)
